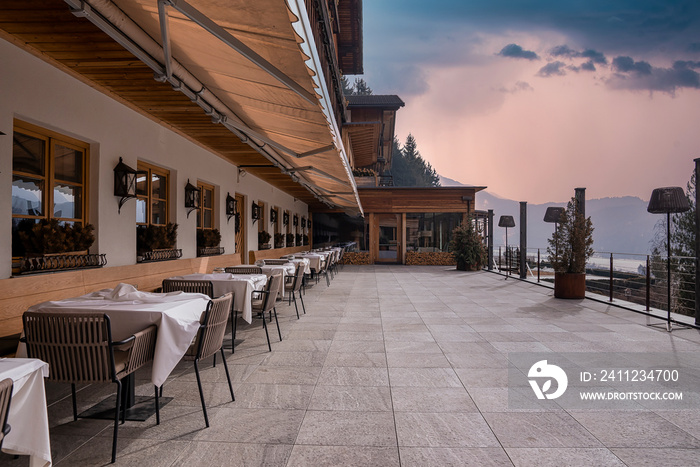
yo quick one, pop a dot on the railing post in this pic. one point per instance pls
(648, 297)
(538, 265)
(499, 259)
(489, 227)
(611, 277)
(523, 240)
(697, 246)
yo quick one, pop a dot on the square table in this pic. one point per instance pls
(242, 286)
(28, 414)
(177, 315)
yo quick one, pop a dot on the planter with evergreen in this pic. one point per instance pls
(290, 239)
(208, 241)
(263, 240)
(569, 249)
(156, 242)
(467, 246)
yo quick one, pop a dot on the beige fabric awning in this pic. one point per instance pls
(254, 68)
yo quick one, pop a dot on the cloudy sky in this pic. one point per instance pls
(536, 97)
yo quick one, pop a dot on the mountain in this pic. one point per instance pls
(621, 225)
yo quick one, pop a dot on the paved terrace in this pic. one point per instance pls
(394, 366)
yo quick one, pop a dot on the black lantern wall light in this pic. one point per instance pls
(256, 212)
(296, 220)
(303, 222)
(285, 218)
(193, 198)
(273, 215)
(124, 182)
(231, 207)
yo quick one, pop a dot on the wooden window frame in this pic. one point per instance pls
(150, 169)
(200, 215)
(51, 138)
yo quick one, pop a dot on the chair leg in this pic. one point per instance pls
(234, 316)
(214, 365)
(296, 307)
(328, 281)
(75, 409)
(303, 307)
(267, 334)
(228, 377)
(116, 421)
(278, 324)
(157, 406)
(201, 393)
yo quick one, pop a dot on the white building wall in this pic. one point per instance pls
(36, 92)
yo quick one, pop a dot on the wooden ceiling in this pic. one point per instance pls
(49, 30)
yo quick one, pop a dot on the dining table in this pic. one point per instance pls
(315, 260)
(304, 261)
(28, 413)
(176, 314)
(241, 285)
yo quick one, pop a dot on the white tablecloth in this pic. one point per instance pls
(314, 260)
(307, 267)
(176, 314)
(287, 269)
(242, 286)
(28, 417)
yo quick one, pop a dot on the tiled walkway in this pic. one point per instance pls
(396, 366)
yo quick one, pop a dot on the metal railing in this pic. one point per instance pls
(637, 279)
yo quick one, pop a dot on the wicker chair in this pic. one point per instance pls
(209, 341)
(275, 262)
(293, 287)
(79, 349)
(244, 270)
(265, 303)
(5, 398)
(189, 286)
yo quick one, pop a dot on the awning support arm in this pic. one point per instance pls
(165, 36)
(228, 39)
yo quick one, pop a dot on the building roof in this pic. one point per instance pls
(388, 101)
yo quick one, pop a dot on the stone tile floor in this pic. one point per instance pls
(394, 366)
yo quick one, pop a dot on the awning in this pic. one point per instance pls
(251, 66)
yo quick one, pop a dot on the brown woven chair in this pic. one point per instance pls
(79, 349)
(210, 340)
(189, 286)
(265, 303)
(275, 262)
(244, 270)
(292, 287)
(5, 398)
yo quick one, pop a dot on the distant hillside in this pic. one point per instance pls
(621, 225)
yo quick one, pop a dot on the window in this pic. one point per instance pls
(151, 195)
(48, 176)
(205, 219)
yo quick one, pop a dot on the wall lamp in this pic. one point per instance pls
(256, 211)
(273, 215)
(285, 218)
(303, 222)
(296, 220)
(193, 198)
(231, 207)
(124, 183)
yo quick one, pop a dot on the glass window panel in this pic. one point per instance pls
(28, 154)
(142, 184)
(199, 220)
(158, 215)
(158, 186)
(68, 164)
(67, 201)
(207, 219)
(207, 200)
(141, 211)
(27, 196)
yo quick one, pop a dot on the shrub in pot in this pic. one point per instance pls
(50, 237)
(467, 246)
(208, 238)
(290, 239)
(570, 247)
(155, 237)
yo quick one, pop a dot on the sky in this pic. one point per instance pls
(534, 98)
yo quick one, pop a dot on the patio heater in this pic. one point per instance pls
(506, 221)
(666, 201)
(553, 215)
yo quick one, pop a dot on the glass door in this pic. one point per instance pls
(388, 238)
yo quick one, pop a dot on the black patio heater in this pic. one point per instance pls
(666, 201)
(553, 215)
(506, 221)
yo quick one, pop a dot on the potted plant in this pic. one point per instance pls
(279, 240)
(467, 246)
(156, 242)
(299, 239)
(208, 241)
(263, 239)
(306, 239)
(569, 249)
(290, 239)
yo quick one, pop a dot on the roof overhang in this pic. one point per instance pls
(364, 139)
(254, 69)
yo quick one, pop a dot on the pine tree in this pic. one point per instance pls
(347, 88)
(409, 168)
(361, 88)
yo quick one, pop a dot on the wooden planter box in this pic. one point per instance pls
(569, 285)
